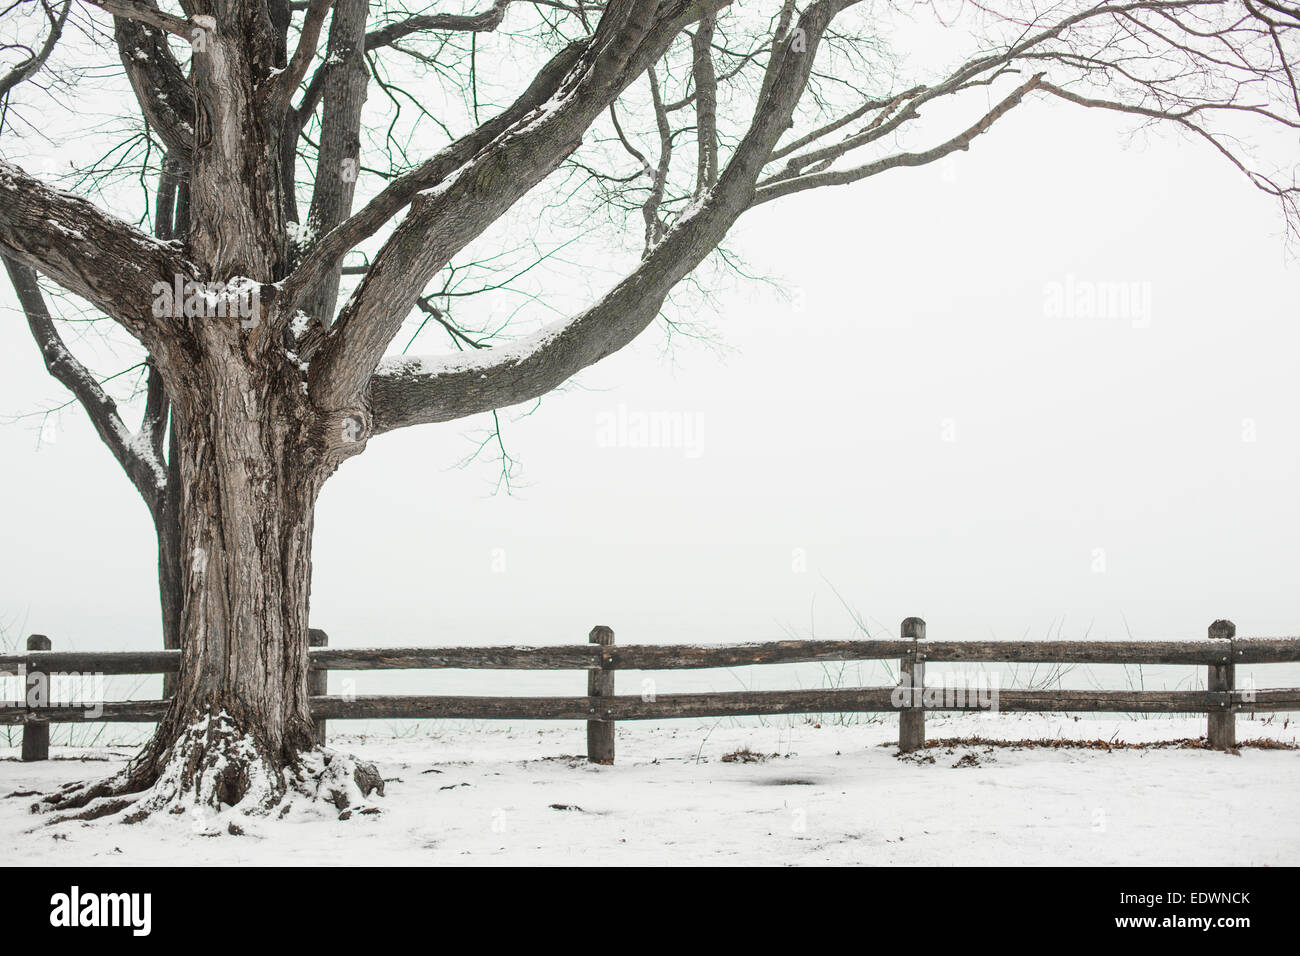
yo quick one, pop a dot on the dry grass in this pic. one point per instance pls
(745, 755)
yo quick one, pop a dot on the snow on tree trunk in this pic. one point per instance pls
(252, 458)
(248, 495)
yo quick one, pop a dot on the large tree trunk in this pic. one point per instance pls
(251, 456)
(248, 481)
(249, 489)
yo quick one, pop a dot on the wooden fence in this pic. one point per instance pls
(602, 708)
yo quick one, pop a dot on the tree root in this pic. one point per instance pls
(213, 773)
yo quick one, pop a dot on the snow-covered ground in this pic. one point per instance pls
(819, 794)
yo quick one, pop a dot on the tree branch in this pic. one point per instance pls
(482, 22)
(1288, 195)
(330, 250)
(338, 158)
(706, 104)
(164, 92)
(106, 261)
(32, 65)
(145, 11)
(137, 454)
(308, 39)
(961, 141)
(409, 391)
(630, 36)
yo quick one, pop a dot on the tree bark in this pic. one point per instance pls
(237, 221)
(167, 530)
(245, 549)
(337, 165)
(250, 455)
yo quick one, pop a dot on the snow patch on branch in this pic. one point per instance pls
(142, 446)
(483, 360)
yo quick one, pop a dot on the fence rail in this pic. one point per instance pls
(602, 708)
(647, 657)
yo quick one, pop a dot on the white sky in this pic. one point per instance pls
(824, 428)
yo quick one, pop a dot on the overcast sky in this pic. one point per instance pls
(935, 423)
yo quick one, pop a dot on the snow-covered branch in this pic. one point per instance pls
(106, 261)
(409, 391)
(631, 36)
(138, 453)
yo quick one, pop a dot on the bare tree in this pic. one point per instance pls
(678, 115)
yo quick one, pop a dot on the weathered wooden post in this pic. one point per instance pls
(36, 737)
(318, 679)
(600, 683)
(1222, 729)
(911, 675)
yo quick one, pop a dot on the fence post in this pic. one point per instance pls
(600, 683)
(318, 680)
(36, 737)
(1222, 729)
(911, 674)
